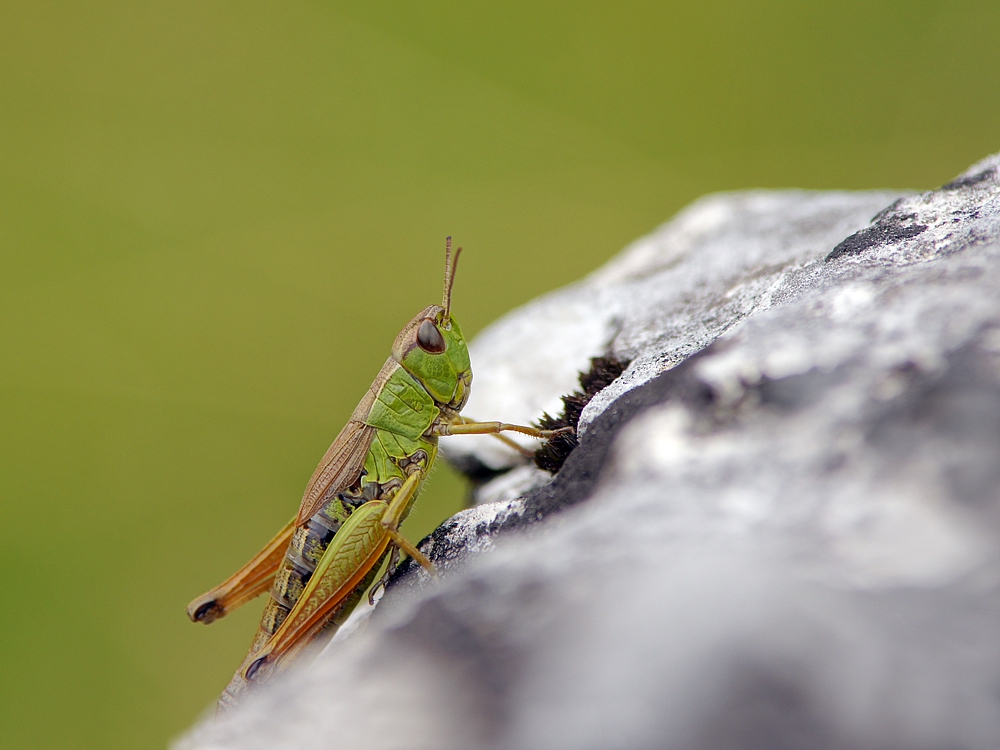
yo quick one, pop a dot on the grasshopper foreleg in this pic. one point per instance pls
(526, 452)
(465, 427)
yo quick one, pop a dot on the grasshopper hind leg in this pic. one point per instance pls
(389, 570)
(249, 582)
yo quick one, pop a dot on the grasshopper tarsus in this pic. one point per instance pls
(549, 434)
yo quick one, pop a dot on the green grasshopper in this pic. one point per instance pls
(320, 564)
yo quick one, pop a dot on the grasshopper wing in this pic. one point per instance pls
(339, 469)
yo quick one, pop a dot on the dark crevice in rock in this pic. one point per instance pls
(553, 453)
(889, 229)
(974, 179)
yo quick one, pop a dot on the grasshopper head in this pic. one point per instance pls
(432, 349)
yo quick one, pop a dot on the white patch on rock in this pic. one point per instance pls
(512, 484)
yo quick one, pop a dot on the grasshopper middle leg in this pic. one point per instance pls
(396, 512)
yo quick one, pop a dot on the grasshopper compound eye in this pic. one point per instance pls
(429, 338)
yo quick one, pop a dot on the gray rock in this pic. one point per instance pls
(781, 528)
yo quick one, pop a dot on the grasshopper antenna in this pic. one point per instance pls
(450, 264)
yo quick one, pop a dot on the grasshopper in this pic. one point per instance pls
(320, 564)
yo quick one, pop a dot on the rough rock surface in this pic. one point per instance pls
(781, 528)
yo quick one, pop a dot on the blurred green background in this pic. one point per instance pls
(215, 216)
